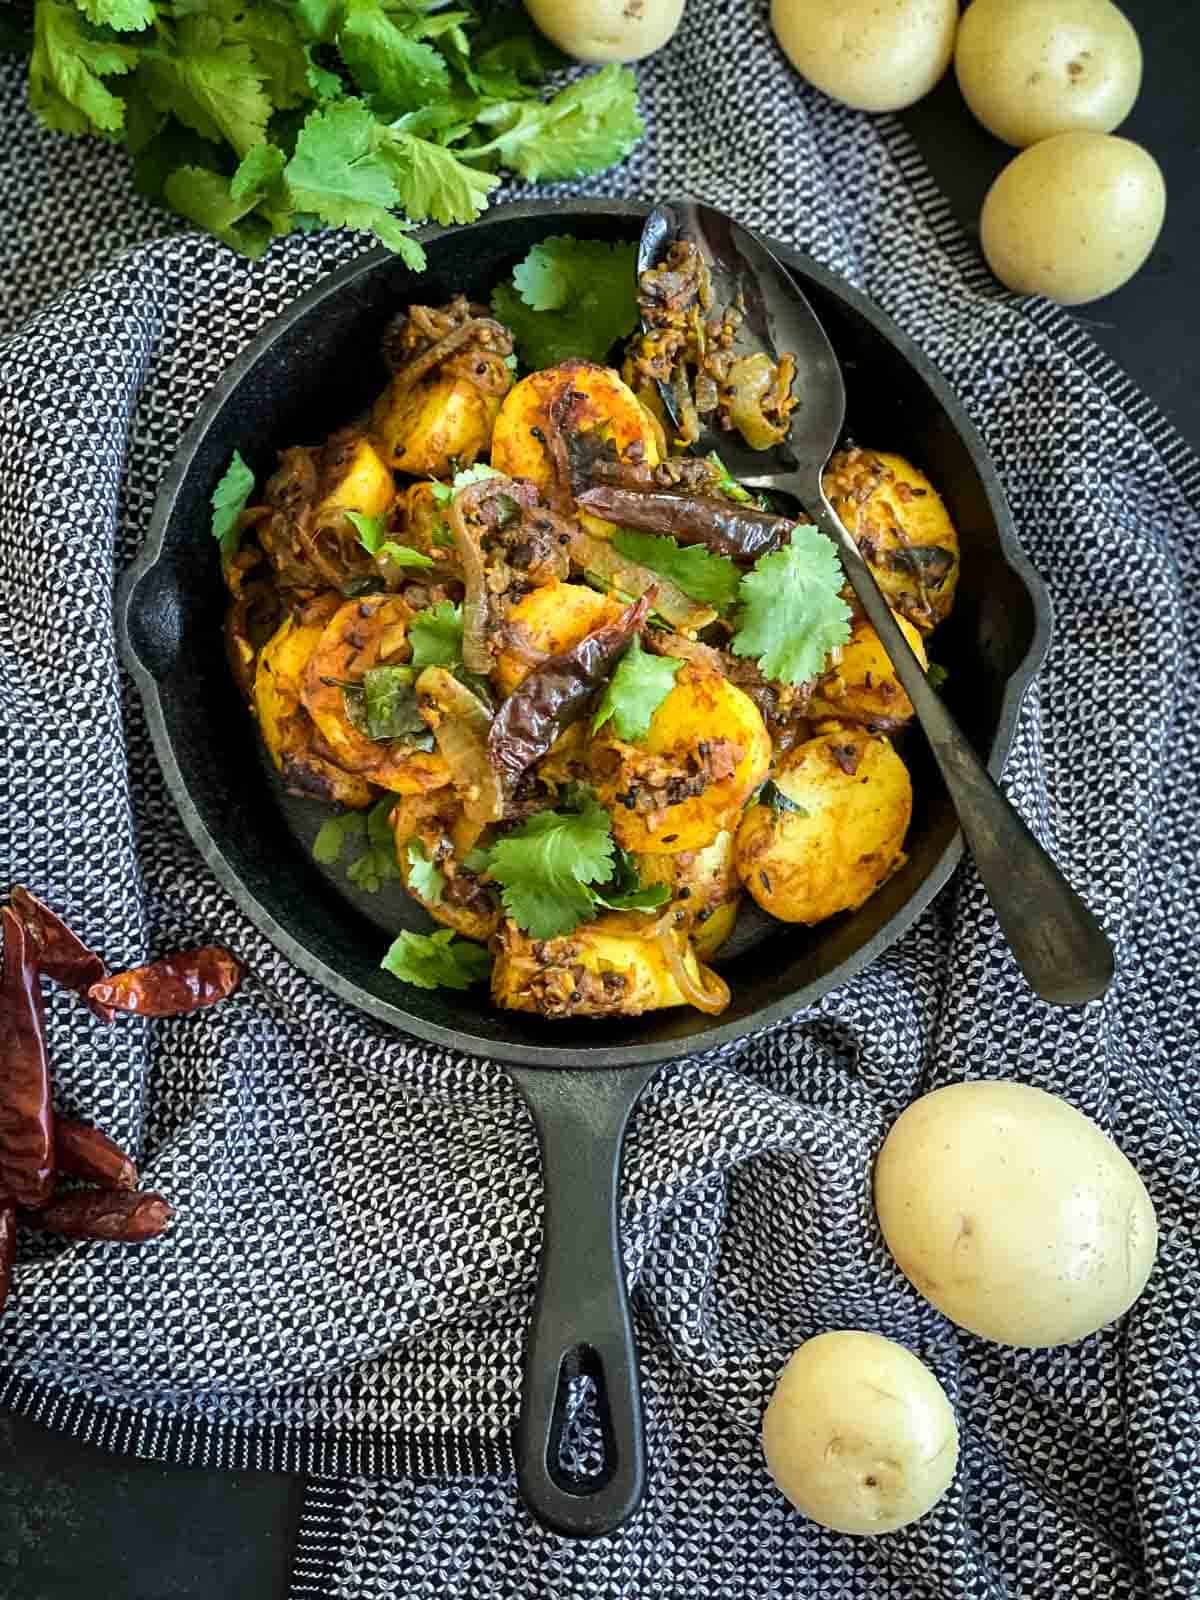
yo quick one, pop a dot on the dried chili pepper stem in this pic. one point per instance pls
(61, 955)
(174, 985)
(115, 1214)
(26, 1117)
(85, 1152)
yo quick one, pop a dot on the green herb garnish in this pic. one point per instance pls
(228, 502)
(791, 613)
(437, 960)
(635, 691)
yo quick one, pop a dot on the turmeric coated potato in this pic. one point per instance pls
(434, 427)
(545, 622)
(902, 529)
(833, 831)
(862, 686)
(287, 730)
(452, 894)
(706, 752)
(704, 886)
(360, 635)
(353, 478)
(607, 968)
(590, 410)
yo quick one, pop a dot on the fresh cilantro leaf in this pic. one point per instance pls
(371, 530)
(258, 170)
(333, 835)
(544, 868)
(324, 84)
(391, 704)
(277, 47)
(433, 182)
(476, 860)
(126, 16)
(228, 502)
(708, 578)
(936, 675)
(625, 891)
(590, 124)
(475, 474)
(66, 70)
(425, 877)
(403, 555)
(206, 198)
(397, 71)
(791, 614)
(208, 81)
(570, 298)
(318, 18)
(338, 173)
(635, 691)
(377, 865)
(727, 483)
(437, 960)
(173, 146)
(436, 636)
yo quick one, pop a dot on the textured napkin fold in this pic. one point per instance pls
(344, 1289)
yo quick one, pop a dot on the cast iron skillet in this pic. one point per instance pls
(313, 368)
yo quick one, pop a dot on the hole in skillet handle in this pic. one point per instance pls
(582, 1446)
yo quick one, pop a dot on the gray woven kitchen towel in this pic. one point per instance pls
(344, 1288)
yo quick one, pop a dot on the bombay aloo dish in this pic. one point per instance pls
(583, 694)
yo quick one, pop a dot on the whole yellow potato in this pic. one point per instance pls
(1032, 68)
(1073, 217)
(859, 1434)
(1013, 1213)
(876, 55)
(606, 30)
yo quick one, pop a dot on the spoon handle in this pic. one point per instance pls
(1058, 944)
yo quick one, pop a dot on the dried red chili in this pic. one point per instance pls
(722, 525)
(173, 985)
(26, 1118)
(8, 1247)
(556, 693)
(114, 1214)
(85, 1152)
(61, 956)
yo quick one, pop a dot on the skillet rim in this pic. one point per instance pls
(560, 1055)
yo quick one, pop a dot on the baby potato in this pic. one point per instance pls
(606, 30)
(1073, 217)
(608, 968)
(1013, 1214)
(1032, 68)
(287, 730)
(362, 634)
(704, 886)
(863, 686)
(422, 826)
(902, 529)
(353, 478)
(434, 427)
(550, 619)
(859, 1434)
(870, 56)
(706, 752)
(854, 802)
(600, 415)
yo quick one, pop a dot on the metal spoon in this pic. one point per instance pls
(1057, 942)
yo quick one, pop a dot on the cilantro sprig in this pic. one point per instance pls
(710, 579)
(791, 613)
(635, 691)
(439, 960)
(228, 502)
(255, 118)
(375, 862)
(372, 535)
(569, 298)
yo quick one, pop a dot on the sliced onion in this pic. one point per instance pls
(711, 993)
(476, 655)
(752, 382)
(598, 556)
(461, 735)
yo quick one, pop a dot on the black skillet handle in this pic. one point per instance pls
(581, 1324)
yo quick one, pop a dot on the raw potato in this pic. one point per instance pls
(606, 30)
(876, 55)
(1073, 217)
(1032, 68)
(855, 802)
(1013, 1214)
(859, 1434)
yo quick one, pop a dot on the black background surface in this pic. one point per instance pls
(76, 1522)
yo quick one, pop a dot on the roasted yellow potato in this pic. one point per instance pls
(852, 802)
(353, 478)
(360, 635)
(612, 967)
(705, 754)
(422, 826)
(287, 730)
(704, 886)
(862, 686)
(900, 525)
(546, 621)
(434, 427)
(590, 409)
